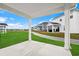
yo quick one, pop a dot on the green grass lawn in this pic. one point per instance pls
(74, 50)
(11, 38)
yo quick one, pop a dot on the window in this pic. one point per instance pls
(71, 16)
(60, 19)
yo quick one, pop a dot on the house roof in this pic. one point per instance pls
(3, 24)
(45, 23)
(58, 16)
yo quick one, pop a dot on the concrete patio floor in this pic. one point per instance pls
(34, 48)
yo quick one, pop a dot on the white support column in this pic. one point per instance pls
(52, 28)
(67, 28)
(42, 27)
(5, 29)
(30, 35)
(47, 29)
(55, 29)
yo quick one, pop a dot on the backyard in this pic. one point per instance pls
(12, 37)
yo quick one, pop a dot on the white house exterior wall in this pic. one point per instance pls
(74, 22)
(60, 22)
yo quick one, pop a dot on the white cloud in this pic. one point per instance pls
(3, 19)
(12, 18)
(15, 26)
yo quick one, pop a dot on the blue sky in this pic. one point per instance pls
(45, 18)
(17, 22)
(13, 20)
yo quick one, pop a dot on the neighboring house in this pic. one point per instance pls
(74, 21)
(44, 26)
(3, 27)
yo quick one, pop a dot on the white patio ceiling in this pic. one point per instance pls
(32, 10)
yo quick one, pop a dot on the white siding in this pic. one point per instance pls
(57, 20)
(74, 22)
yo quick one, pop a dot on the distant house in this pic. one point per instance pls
(46, 26)
(3, 27)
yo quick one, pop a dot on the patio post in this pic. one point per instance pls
(30, 35)
(67, 27)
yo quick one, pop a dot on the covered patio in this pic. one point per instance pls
(31, 11)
